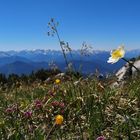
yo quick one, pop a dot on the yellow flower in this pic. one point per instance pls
(116, 55)
(57, 81)
(59, 119)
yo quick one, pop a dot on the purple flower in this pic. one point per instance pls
(101, 138)
(12, 109)
(55, 103)
(28, 114)
(62, 105)
(9, 110)
(38, 104)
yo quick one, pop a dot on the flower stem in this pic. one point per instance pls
(47, 137)
(131, 64)
(63, 51)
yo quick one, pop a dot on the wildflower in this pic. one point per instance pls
(38, 104)
(9, 110)
(116, 55)
(28, 114)
(59, 119)
(12, 109)
(101, 138)
(61, 105)
(55, 103)
(57, 81)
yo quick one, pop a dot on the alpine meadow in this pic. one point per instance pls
(52, 89)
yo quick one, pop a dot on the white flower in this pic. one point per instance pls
(116, 55)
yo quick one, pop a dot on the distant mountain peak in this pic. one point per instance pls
(28, 60)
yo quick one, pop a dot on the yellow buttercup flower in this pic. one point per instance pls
(59, 119)
(116, 55)
(57, 81)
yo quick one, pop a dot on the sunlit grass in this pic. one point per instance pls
(90, 109)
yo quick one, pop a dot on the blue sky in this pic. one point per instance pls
(104, 24)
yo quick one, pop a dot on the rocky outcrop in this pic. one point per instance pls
(127, 72)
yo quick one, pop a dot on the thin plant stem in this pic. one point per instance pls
(131, 64)
(63, 51)
(47, 137)
(73, 62)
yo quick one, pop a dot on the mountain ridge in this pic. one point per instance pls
(32, 60)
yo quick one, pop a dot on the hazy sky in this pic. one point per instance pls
(104, 24)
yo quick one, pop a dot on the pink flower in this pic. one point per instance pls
(38, 104)
(28, 114)
(62, 105)
(55, 103)
(101, 138)
(9, 110)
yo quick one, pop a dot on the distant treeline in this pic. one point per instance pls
(40, 75)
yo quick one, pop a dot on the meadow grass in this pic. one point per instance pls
(90, 109)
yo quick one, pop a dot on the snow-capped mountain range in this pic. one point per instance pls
(26, 61)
